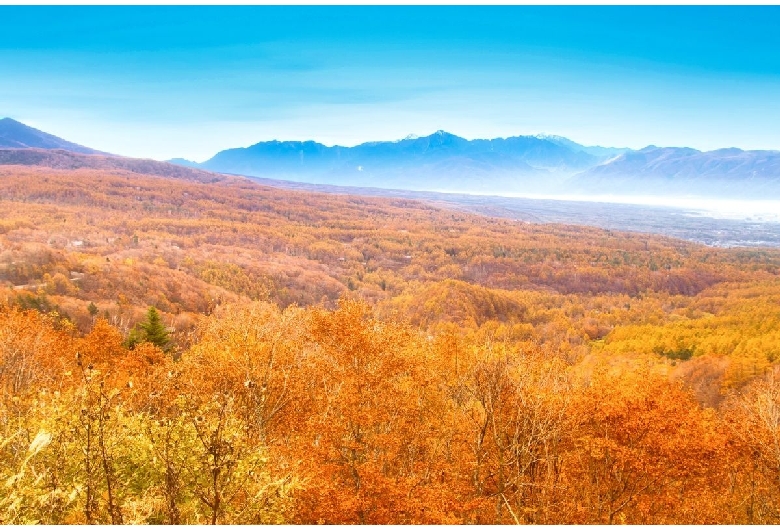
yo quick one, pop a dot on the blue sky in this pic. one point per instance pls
(188, 81)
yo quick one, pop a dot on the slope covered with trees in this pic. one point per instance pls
(174, 351)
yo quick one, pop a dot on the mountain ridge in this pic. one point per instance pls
(728, 172)
(440, 160)
(540, 164)
(17, 135)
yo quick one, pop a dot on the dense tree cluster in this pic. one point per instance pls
(336, 416)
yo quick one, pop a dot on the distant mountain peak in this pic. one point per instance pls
(183, 162)
(729, 151)
(442, 132)
(594, 150)
(11, 122)
(442, 137)
(555, 137)
(670, 150)
(17, 135)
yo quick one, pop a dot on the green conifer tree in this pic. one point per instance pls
(154, 331)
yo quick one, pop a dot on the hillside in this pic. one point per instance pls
(126, 241)
(67, 160)
(317, 357)
(18, 135)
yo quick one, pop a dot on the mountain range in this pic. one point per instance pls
(540, 164)
(439, 162)
(444, 162)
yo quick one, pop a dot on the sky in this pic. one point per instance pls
(188, 81)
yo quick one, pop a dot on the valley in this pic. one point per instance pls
(693, 224)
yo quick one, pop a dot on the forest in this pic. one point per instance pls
(178, 351)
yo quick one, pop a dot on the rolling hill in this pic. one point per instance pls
(68, 160)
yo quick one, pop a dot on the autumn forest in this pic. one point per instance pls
(200, 348)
